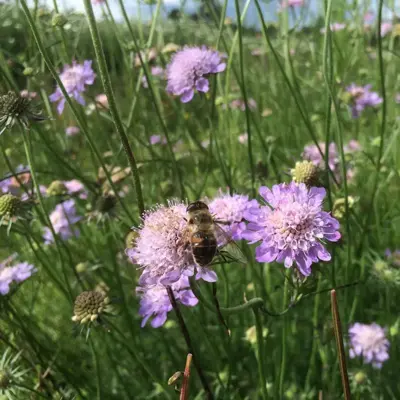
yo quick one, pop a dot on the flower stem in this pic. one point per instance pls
(340, 346)
(97, 367)
(186, 376)
(260, 354)
(284, 338)
(111, 100)
(186, 335)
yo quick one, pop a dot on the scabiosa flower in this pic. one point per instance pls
(232, 209)
(292, 226)
(75, 187)
(72, 130)
(89, 306)
(162, 247)
(311, 153)
(243, 138)
(189, 69)
(386, 27)
(239, 104)
(155, 139)
(361, 97)
(11, 185)
(62, 219)
(369, 341)
(292, 3)
(155, 302)
(16, 273)
(155, 71)
(74, 78)
(102, 101)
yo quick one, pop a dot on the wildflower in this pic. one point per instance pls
(149, 56)
(231, 210)
(393, 257)
(154, 139)
(13, 208)
(18, 272)
(170, 48)
(89, 306)
(56, 188)
(292, 226)
(62, 219)
(369, 341)
(239, 104)
(352, 146)
(336, 26)
(243, 138)
(306, 172)
(28, 95)
(15, 108)
(386, 27)
(155, 71)
(74, 78)
(155, 302)
(162, 249)
(311, 153)
(189, 69)
(72, 130)
(102, 101)
(361, 97)
(10, 183)
(369, 17)
(292, 3)
(75, 187)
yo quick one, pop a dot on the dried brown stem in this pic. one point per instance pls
(186, 376)
(340, 346)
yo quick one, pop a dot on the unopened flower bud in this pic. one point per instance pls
(81, 267)
(28, 71)
(306, 172)
(360, 377)
(56, 188)
(59, 20)
(174, 378)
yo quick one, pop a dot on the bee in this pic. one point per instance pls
(207, 238)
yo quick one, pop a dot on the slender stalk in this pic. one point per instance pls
(284, 339)
(97, 368)
(188, 341)
(340, 345)
(260, 354)
(101, 61)
(244, 94)
(186, 376)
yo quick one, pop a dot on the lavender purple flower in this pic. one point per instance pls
(292, 226)
(74, 79)
(232, 209)
(18, 272)
(370, 342)
(62, 219)
(362, 97)
(189, 69)
(155, 302)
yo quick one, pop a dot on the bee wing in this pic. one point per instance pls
(227, 247)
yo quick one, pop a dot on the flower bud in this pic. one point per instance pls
(360, 377)
(9, 205)
(306, 172)
(56, 188)
(28, 71)
(174, 378)
(59, 20)
(89, 306)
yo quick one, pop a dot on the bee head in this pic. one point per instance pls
(196, 205)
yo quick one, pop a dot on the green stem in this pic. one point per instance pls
(244, 94)
(97, 367)
(284, 338)
(101, 61)
(260, 354)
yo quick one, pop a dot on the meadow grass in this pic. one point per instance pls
(292, 81)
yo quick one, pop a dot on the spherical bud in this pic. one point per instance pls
(339, 206)
(81, 267)
(9, 151)
(59, 20)
(56, 188)
(9, 205)
(89, 305)
(28, 71)
(306, 172)
(106, 203)
(360, 377)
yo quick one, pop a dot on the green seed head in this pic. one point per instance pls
(106, 203)
(89, 305)
(56, 188)
(9, 205)
(306, 172)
